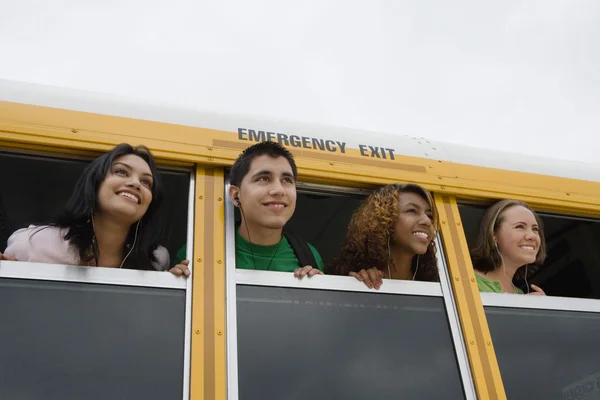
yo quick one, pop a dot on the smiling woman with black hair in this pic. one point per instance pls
(111, 219)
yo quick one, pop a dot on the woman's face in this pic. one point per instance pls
(518, 236)
(414, 227)
(126, 191)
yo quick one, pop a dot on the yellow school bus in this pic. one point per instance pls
(79, 332)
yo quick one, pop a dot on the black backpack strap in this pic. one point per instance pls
(303, 252)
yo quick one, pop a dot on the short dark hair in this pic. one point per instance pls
(76, 215)
(241, 166)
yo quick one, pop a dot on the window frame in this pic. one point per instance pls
(507, 301)
(557, 303)
(233, 276)
(117, 276)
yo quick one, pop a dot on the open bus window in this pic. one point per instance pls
(321, 217)
(329, 319)
(36, 188)
(573, 254)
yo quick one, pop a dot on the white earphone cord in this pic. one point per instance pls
(134, 240)
(130, 250)
(504, 271)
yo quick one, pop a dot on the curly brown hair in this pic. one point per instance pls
(371, 229)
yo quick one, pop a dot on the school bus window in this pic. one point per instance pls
(40, 187)
(108, 341)
(320, 221)
(410, 353)
(572, 254)
(545, 353)
(322, 218)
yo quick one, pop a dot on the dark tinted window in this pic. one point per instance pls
(88, 341)
(570, 269)
(32, 178)
(316, 344)
(322, 219)
(547, 354)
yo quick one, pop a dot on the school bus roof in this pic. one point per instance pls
(302, 136)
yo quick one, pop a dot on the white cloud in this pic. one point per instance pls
(513, 75)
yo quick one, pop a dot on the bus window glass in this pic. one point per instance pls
(570, 269)
(68, 340)
(299, 343)
(38, 187)
(546, 354)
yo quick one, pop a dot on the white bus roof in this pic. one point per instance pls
(78, 100)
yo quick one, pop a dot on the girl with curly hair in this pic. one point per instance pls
(511, 237)
(391, 236)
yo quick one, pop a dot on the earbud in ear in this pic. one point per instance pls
(495, 243)
(237, 200)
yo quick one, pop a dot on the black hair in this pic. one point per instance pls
(241, 166)
(76, 216)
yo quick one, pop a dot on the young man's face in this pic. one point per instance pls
(268, 193)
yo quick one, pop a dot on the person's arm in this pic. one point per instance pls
(181, 267)
(537, 291)
(309, 270)
(371, 277)
(7, 258)
(18, 246)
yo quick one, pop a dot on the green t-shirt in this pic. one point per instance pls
(489, 285)
(284, 258)
(282, 255)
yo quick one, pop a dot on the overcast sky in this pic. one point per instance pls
(517, 75)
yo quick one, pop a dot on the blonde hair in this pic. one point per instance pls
(485, 255)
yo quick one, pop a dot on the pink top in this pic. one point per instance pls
(48, 245)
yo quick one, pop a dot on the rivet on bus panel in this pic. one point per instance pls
(197, 331)
(472, 342)
(444, 222)
(210, 148)
(439, 177)
(331, 163)
(457, 279)
(472, 279)
(220, 333)
(219, 261)
(443, 187)
(74, 130)
(220, 199)
(201, 197)
(568, 194)
(199, 259)
(489, 343)
(458, 224)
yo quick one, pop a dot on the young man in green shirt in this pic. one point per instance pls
(263, 187)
